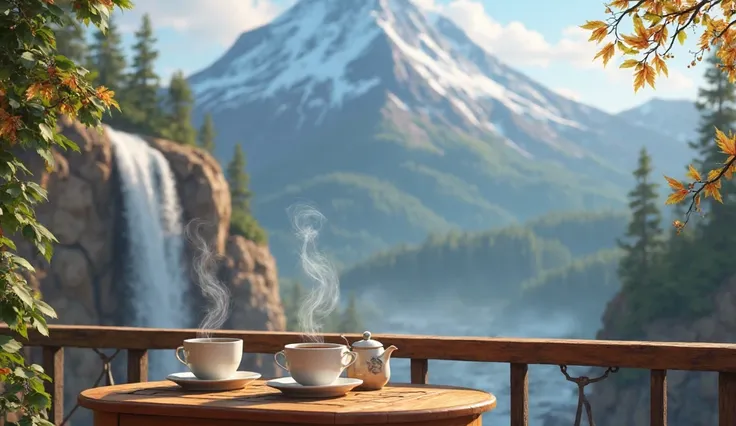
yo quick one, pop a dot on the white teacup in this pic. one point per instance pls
(315, 364)
(213, 358)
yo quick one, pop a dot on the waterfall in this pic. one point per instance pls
(154, 269)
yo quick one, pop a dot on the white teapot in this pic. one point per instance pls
(371, 364)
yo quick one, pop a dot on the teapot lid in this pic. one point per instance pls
(367, 342)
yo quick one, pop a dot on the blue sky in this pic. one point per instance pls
(538, 37)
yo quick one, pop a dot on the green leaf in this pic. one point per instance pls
(28, 232)
(7, 242)
(21, 290)
(45, 309)
(28, 59)
(40, 325)
(681, 37)
(37, 192)
(9, 345)
(38, 400)
(22, 263)
(46, 132)
(46, 154)
(8, 314)
(37, 368)
(20, 372)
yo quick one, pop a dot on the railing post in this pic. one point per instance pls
(53, 366)
(419, 371)
(658, 398)
(726, 399)
(519, 395)
(137, 365)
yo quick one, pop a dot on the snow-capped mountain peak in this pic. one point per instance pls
(324, 63)
(317, 47)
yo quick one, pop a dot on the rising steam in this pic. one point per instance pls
(214, 292)
(324, 296)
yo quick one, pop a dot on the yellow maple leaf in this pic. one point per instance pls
(33, 90)
(105, 95)
(593, 25)
(644, 74)
(606, 53)
(629, 63)
(70, 82)
(725, 143)
(713, 177)
(693, 174)
(677, 196)
(712, 190)
(67, 109)
(598, 34)
(619, 4)
(9, 126)
(730, 171)
(674, 183)
(660, 65)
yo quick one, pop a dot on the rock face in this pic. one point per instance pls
(692, 396)
(82, 282)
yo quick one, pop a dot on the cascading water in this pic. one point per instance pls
(154, 269)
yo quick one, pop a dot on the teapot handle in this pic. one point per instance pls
(347, 342)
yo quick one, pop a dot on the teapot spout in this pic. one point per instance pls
(386, 355)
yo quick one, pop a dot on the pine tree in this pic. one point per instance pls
(716, 102)
(643, 237)
(207, 134)
(107, 59)
(717, 106)
(350, 321)
(144, 82)
(180, 105)
(70, 37)
(242, 221)
(292, 299)
(238, 180)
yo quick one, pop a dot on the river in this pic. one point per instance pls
(548, 390)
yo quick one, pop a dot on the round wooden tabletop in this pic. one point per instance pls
(260, 403)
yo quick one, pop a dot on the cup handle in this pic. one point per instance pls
(276, 359)
(182, 358)
(353, 357)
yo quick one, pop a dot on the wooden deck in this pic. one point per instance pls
(658, 357)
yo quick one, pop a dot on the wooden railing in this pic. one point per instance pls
(658, 357)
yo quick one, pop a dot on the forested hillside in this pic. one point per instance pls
(560, 255)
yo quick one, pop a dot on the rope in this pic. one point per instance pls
(582, 382)
(106, 373)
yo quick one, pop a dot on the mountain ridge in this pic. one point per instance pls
(430, 116)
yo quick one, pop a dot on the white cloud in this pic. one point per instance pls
(219, 21)
(513, 42)
(520, 46)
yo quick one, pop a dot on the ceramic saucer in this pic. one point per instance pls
(238, 380)
(339, 387)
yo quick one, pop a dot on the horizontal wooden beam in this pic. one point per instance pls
(602, 353)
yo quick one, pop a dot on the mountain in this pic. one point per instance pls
(676, 118)
(397, 126)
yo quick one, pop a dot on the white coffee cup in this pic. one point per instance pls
(315, 364)
(213, 358)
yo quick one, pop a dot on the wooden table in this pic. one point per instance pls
(165, 404)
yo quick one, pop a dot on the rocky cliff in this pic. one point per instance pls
(692, 396)
(83, 283)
